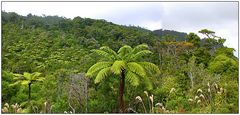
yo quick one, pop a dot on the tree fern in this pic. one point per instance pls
(123, 63)
(27, 79)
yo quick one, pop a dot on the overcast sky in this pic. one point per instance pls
(221, 17)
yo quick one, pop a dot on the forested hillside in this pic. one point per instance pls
(52, 64)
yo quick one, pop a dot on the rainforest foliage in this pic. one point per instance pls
(52, 64)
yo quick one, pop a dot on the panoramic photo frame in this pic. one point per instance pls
(155, 57)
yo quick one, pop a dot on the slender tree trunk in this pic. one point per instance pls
(121, 92)
(29, 92)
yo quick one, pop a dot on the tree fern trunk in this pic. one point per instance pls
(121, 92)
(29, 92)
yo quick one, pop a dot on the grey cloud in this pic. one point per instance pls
(200, 14)
(135, 15)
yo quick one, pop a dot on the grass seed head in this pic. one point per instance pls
(139, 98)
(199, 101)
(5, 110)
(221, 90)
(199, 91)
(7, 105)
(151, 98)
(202, 96)
(209, 90)
(190, 100)
(19, 110)
(146, 93)
(196, 97)
(216, 86)
(172, 90)
(159, 105)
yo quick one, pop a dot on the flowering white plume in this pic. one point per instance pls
(146, 93)
(221, 90)
(139, 98)
(208, 90)
(19, 110)
(199, 91)
(199, 101)
(7, 105)
(151, 98)
(159, 104)
(202, 96)
(172, 90)
(196, 97)
(190, 100)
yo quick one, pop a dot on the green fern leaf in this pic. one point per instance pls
(25, 82)
(35, 75)
(150, 66)
(139, 48)
(136, 68)
(104, 54)
(27, 76)
(108, 50)
(15, 83)
(140, 54)
(124, 51)
(118, 66)
(132, 78)
(102, 74)
(97, 67)
(40, 79)
(148, 83)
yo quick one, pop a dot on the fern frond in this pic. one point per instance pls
(18, 76)
(140, 54)
(132, 78)
(102, 74)
(108, 50)
(103, 54)
(136, 68)
(118, 66)
(125, 50)
(25, 82)
(96, 67)
(27, 75)
(150, 66)
(35, 75)
(140, 47)
(15, 83)
(40, 79)
(148, 83)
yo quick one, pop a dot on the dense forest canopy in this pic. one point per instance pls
(129, 69)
